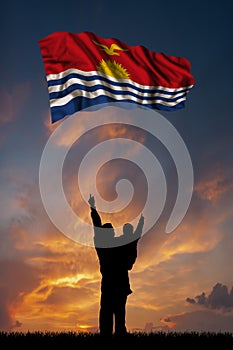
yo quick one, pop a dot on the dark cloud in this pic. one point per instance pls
(215, 313)
(219, 298)
(190, 300)
(201, 321)
(17, 324)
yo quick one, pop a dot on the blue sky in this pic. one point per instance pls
(202, 32)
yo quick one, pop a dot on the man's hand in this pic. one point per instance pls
(91, 201)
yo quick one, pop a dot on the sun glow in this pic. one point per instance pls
(84, 326)
(70, 281)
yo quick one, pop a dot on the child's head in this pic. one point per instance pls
(128, 229)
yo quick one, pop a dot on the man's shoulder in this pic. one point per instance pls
(126, 241)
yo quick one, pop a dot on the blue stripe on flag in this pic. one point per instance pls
(81, 103)
(120, 84)
(78, 87)
(73, 87)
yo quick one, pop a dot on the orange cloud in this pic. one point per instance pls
(66, 284)
(214, 188)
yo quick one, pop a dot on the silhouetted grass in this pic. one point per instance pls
(134, 339)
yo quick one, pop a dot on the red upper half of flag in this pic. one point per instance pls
(85, 51)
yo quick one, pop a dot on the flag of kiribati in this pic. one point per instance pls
(85, 70)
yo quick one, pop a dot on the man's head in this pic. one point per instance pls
(128, 229)
(110, 230)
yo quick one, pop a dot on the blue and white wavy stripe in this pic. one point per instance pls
(74, 90)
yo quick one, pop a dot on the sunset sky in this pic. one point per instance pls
(180, 281)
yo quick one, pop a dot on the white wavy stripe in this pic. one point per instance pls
(71, 81)
(100, 92)
(63, 74)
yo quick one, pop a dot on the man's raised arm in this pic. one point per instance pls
(96, 220)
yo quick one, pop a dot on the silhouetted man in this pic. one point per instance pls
(116, 257)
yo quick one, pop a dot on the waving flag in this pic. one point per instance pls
(84, 70)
